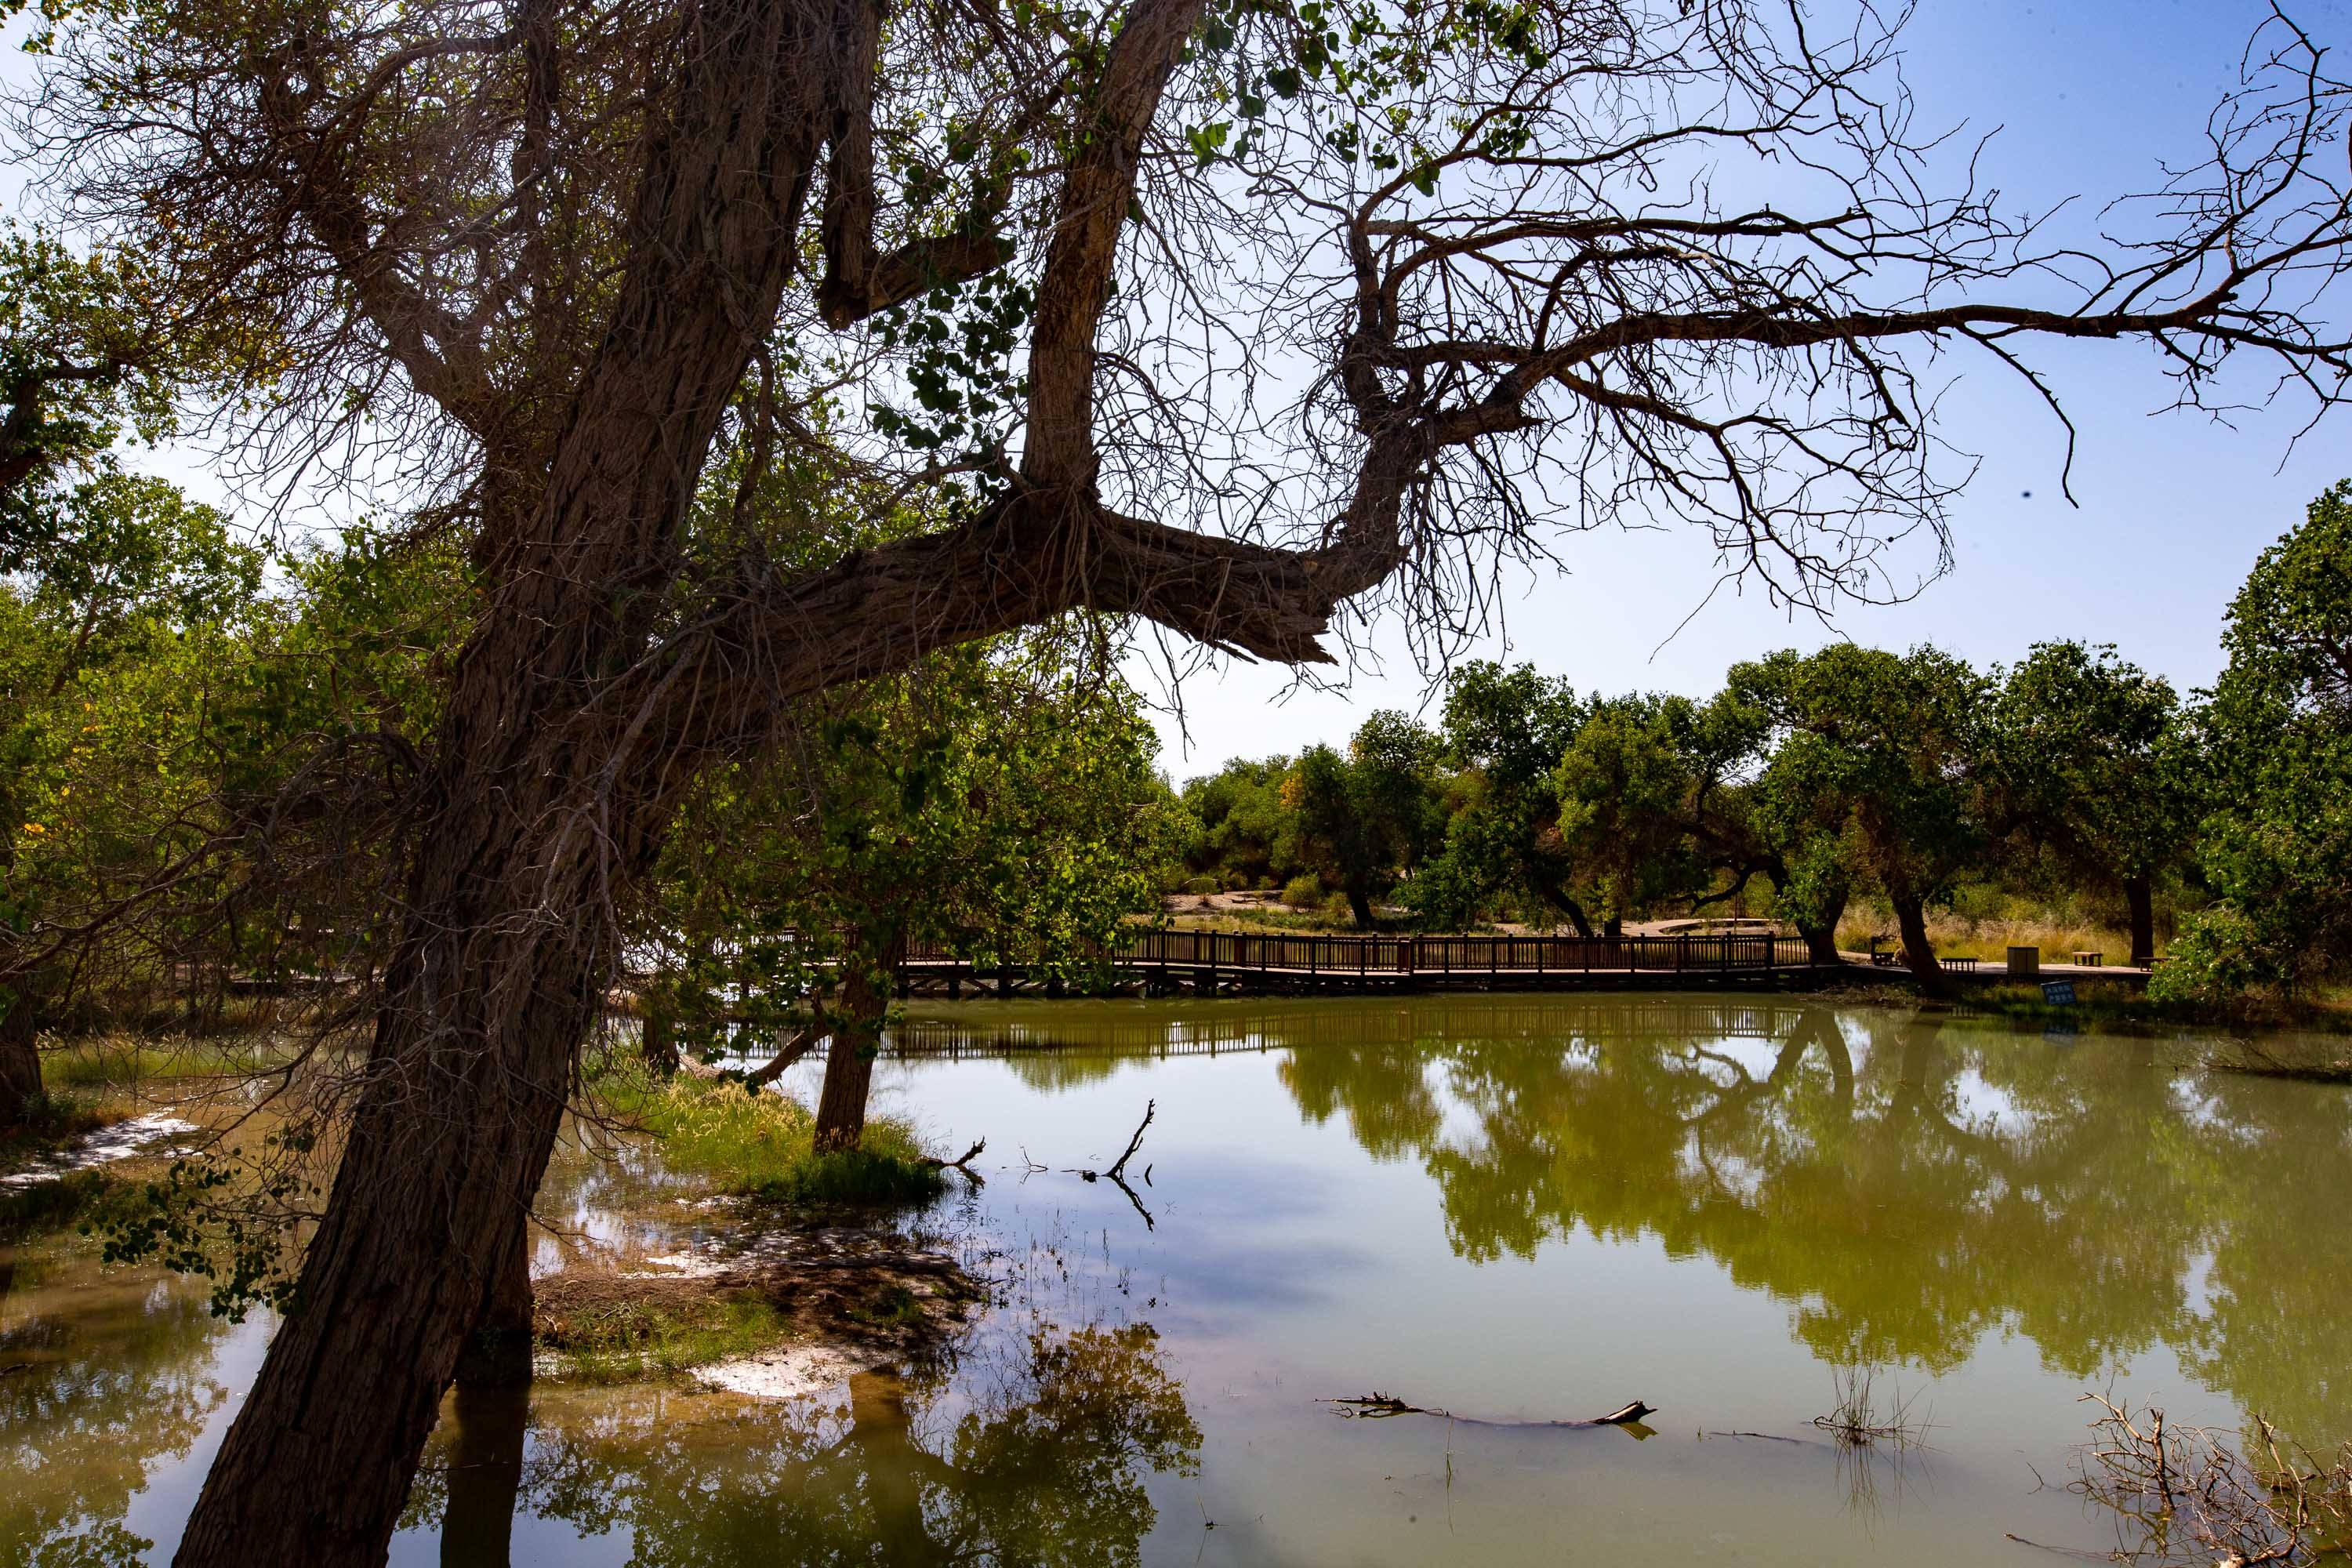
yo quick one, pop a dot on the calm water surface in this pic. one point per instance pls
(1511, 1208)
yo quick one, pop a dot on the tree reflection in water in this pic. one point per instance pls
(1039, 1459)
(1907, 1184)
(96, 1395)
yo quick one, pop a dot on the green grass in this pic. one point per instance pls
(764, 1145)
(120, 1060)
(623, 1340)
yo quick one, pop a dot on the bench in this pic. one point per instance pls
(1969, 964)
(2091, 960)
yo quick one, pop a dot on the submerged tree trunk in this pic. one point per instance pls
(2141, 895)
(866, 991)
(1918, 953)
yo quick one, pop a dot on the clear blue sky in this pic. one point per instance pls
(2088, 95)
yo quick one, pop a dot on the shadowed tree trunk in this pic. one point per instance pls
(20, 1060)
(498, 1352)
(1360, 903)
(1918, 952)
(2141, 897)
(659, 1042)
(856, 1037)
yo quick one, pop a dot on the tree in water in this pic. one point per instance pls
(563, 268)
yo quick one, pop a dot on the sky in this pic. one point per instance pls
(2086, 97)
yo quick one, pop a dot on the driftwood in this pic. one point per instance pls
(963, 1164)
(1117, 1175)
(1378, 1407)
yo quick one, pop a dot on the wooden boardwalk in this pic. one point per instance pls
(1212, 962)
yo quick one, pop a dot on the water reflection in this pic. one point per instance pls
(1040, 1458)
(1906, 1185)
(101, 1384)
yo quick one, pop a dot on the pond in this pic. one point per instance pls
(1516, 1209)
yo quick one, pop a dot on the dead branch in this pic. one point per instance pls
(1135, 1142)
(1378, 1407)
(963, 1164)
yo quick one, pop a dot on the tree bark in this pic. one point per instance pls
(1918, 953)
(849, 1060)
(1360, 904)
(498, 1352)
(2141, 895)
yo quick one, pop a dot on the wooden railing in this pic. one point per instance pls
(1273, 953)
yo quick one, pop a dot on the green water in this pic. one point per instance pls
(1510, 1208)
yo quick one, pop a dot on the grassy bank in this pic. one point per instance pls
(763, 1145)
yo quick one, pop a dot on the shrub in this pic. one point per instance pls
(1304, 892)
(763, 1144)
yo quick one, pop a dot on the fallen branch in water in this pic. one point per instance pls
(964, 1165)
(1116, 1175)
(1378, 1407)
(2183, 1494)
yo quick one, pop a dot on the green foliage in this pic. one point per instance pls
(1505, 731)
(994, 801)
(2276, 736)
(1874, 756)
(226, 1217)
(2085, 757)
(1627, 785)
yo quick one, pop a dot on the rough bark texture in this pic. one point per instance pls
(498, 1352)
(2141, 897)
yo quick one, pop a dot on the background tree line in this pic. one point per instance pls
(1813, 782)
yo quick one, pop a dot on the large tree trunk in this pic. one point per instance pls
(2141, 897)
(1918, 953)
(20, 1060)
(866, 991)
(1360, 903)
(1556, 897)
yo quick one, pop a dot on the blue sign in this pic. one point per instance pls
(2058, 992)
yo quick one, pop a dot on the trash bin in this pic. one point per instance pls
(2026, 960)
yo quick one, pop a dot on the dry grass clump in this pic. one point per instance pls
(2182, 1494)
(1858, 1419)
